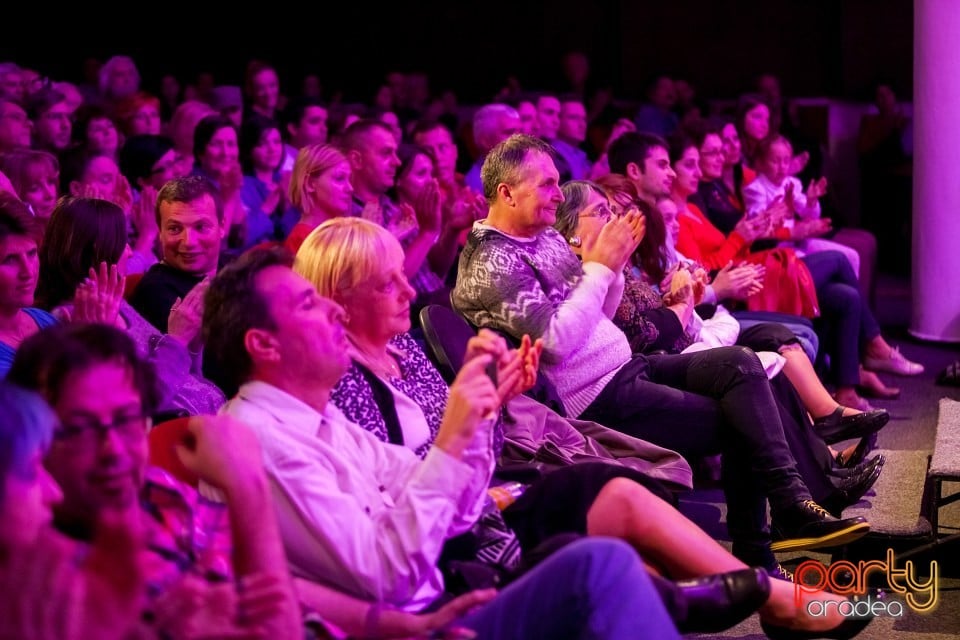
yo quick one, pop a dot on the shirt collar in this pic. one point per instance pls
(285, 408)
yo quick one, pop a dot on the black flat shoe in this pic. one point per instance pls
(844, 472)
(716, 603)
(849, 628)
(865, 446)
(836, 426)
(850, 490)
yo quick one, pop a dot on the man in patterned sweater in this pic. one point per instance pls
(517, 275)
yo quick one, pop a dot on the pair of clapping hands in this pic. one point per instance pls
(732, 282)
(491, 375)
(616, 241)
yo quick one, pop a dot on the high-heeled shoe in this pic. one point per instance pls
(836, 426)
(849, 628)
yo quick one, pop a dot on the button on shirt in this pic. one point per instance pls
(363, 516)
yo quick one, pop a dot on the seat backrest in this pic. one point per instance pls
(446, 333)
(130, 285)
(162, 441)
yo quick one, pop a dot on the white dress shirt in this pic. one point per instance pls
(358, 514)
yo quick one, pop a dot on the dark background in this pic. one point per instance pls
(835, 48)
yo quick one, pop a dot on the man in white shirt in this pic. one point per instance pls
(368, 518)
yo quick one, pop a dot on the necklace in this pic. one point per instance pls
(384, 364)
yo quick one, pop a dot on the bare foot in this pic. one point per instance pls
(782, 609)
(847, 396)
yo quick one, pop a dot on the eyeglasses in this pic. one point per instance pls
(91, 433)
(601, 211)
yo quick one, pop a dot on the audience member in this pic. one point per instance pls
(568, 304)
(50, 114)
(50, 590)
(19, 271)
(82, 267)
(35, 176)
(104, 394)
(320, 189)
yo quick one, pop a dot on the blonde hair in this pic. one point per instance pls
(311, 160)
(342, 253)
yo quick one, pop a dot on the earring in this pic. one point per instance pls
(345, 318)
(574, 241)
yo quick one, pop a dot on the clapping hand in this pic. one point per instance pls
(817, 189)
(186, 316)
(97, 299)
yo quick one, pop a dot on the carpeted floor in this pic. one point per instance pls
(908, 441)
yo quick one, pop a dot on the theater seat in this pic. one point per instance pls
(130, 285)
(447, 332)
(162, 451)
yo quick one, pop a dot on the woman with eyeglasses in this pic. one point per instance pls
(669, 323)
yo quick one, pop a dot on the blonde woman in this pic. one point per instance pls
(320, 188)
(360, 266)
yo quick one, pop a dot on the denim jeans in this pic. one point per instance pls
(846, 322)
(593, 588)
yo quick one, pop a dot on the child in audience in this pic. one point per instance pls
(802, 229)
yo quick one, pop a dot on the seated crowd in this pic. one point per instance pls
(282, 368)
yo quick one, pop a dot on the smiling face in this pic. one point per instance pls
(732, 151)
(534, 198)
(221, 153)
(97, 469)
(711, 157)
(688, 172)
(190, 235)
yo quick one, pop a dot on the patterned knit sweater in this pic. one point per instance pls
(538, 286)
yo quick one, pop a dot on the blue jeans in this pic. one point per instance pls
(800, 326)
(846, 322)
(592, 588)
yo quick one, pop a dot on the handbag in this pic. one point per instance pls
(787, 284)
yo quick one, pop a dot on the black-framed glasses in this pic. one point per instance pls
(91, 432)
